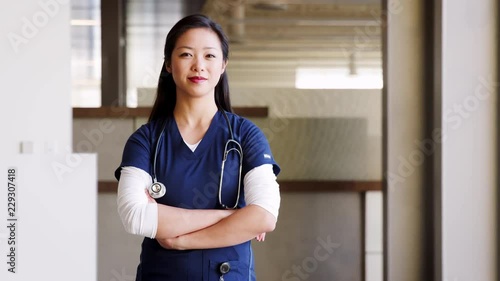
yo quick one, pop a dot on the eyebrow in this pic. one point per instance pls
(191, 48)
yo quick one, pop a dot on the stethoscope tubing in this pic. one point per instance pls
(239, 150)
(153, 189)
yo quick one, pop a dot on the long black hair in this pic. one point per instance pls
(166, 95)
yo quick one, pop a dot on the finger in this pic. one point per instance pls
(261, 237)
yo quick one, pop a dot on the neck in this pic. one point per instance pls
(193, 112)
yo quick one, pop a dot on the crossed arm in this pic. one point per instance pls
(243, 225)
(178, 228)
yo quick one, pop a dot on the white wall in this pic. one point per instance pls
(54, 234)
(55, 190)
(469, 150)
(35, 74)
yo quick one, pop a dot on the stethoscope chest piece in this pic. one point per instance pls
(224, 268)
(157, 190)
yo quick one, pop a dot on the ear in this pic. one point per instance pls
(168, 68)
(224, 64)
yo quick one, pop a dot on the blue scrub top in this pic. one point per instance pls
(192, 182)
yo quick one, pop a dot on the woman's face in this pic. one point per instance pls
(197, 63)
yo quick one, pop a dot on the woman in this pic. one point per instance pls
(202, 227)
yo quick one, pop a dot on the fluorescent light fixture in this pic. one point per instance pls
(337, 78)
(82, 22)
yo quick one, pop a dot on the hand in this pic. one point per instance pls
(261, 237)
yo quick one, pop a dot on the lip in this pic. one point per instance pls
(197, 79)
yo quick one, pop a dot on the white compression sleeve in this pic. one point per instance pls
(138, 216)
(261, 189)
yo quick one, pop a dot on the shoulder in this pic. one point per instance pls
(246, 131)
(255, 145)
(243, 124)
(137, 150)
(151, 128)
(145, 134)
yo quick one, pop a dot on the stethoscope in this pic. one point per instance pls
(158, 189)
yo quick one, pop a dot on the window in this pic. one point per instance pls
(86, 53)
(148, 23)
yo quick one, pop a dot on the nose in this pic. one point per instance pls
(198, 65)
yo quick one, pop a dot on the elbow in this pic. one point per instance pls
(269, 223)
(129, 223)
(266, 219)
(130, 229)
(139, 219)
(270, 227)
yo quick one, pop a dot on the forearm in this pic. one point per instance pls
(141, 215)
(173, 222)
(263, 199)
(244, 225)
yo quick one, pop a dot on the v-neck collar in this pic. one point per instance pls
(205, 142)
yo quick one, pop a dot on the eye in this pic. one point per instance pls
(185, 55)
(211, 56)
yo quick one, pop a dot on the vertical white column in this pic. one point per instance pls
(47, 193)
(469, 90)
(35, 74)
